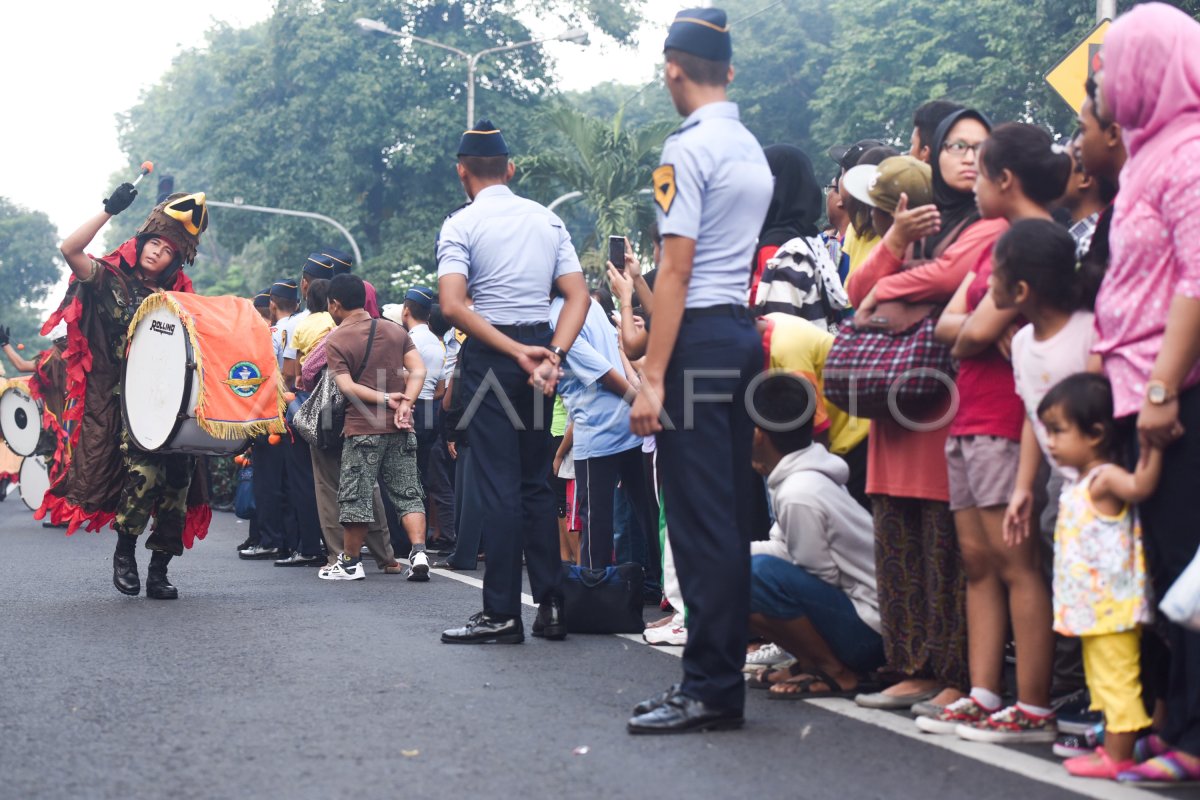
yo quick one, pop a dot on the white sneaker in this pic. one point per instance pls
(419, 567)
(769, 655)
(338, 571)
(673, 633)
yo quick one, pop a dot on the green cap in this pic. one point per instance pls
(881, 186)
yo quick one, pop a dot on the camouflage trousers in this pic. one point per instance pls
(390, 459)
(156, 485)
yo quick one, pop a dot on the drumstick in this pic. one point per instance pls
(147, 168)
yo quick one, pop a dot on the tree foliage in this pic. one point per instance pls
(29, 267)
(304, 112)
(821, 72)
(608, 163)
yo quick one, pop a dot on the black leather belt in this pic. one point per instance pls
(531, 329)
(732, 310)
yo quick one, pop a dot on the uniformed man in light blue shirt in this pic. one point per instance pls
(507, 253)
(712, 188)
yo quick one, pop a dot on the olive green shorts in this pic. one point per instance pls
(389, 459)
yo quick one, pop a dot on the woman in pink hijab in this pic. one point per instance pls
(372, 303)
(1150, 86)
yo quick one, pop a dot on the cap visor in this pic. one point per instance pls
(837, 153)
(857, 181)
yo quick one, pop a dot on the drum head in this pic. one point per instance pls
(20, 421)
(35, 482)
(157, 386)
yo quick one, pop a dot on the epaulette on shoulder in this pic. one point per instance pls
(686, 127)
(460, 208)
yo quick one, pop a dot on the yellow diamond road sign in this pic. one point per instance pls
(1069, 75)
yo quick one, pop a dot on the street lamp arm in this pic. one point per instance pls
(505, 48)
(460, 53)
(290, 213)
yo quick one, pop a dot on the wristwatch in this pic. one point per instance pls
(387, 398)
(1157, 393)
(558, 351)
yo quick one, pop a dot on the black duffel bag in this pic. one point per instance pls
(605, 600)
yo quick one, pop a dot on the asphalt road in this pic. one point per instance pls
(262, 682)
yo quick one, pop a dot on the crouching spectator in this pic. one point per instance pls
(813, 581)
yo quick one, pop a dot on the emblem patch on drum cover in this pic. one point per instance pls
(244, 378)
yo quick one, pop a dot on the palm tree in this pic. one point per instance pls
(609, 165)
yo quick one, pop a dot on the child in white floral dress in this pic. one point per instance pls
(1099, 568)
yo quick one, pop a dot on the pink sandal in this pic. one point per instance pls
(1097, 765)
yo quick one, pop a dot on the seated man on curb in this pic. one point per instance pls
(812, 589)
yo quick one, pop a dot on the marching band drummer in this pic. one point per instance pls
(109, 480)
(48, 383)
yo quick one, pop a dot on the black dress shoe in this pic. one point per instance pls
(485, 628)
(125, 574)
(549, 622)
(683, 714)
(256, 552)
(646, 706)
(444, 563)
(157, 585)
(301, 560)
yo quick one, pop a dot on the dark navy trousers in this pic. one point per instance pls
(301, 496)
(508, 428)
(269, 494)
(439, 492)
(468, 515)
(708, 491)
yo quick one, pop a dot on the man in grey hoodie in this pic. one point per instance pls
(813, 582)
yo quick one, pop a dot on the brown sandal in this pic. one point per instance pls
(762, 678)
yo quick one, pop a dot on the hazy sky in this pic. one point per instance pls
(71, 68)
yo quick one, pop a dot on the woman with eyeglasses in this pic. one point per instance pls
(923, 258)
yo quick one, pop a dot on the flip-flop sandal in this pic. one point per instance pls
(1148, 747)
(1161, 772)
(803, 688)
(761, 679)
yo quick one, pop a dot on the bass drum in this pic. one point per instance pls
(20, 420)
(34, 482)
(161, 389)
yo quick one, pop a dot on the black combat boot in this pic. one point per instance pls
(157, 585)
(125, 573)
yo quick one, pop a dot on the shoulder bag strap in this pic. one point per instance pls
(367, 355)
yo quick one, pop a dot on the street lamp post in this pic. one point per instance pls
(575, 35)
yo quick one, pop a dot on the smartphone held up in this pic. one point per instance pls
(616, 252)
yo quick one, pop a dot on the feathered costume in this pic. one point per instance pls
(48, 383)
(87, 494)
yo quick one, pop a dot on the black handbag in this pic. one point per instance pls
(605, 600)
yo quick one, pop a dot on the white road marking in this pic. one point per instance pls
(469, 581)
(1007, 759)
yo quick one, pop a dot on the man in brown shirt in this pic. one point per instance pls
(379, 371)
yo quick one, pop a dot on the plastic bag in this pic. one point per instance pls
(1181, 604)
